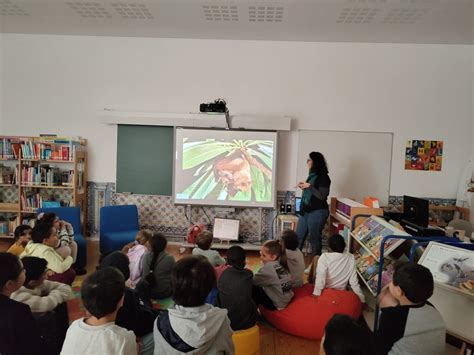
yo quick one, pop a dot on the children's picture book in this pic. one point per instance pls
(366, 264)
(372, 231)
(451, 266)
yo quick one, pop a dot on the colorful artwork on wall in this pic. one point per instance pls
(424, 155)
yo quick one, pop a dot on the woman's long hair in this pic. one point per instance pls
(319, 163)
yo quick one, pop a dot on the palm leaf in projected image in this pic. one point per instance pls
(213, 181)
(263, 157)
(260, 185)
(191, 188)
(249, 143)
(196, 154)
(205, 187)
(241, 196)
(223, 194)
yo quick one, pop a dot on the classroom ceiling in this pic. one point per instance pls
(382, 21)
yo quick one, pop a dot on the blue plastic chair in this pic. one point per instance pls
(118, 226)
(73, 216)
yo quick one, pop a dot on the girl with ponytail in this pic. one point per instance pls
(156, 270)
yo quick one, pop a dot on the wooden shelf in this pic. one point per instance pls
(49, 187)
(57, 161)
(364, 246)
(9, 207)
(75, 161)
(9, 185)
(6, 236)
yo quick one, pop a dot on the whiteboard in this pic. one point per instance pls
(359, 162)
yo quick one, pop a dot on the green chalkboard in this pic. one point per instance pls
(145, 159)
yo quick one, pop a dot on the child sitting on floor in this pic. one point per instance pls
(344, 336)
(66, 246)
(294, 257)
(22, 236)
(235, 291)
(156, 270)
(19, 333)
(272, 283)
(191, 326)
(135, 314)
(409, 324)
(102, 296)
(47, 301)
(335, 269)
(135, 252)
(204, 242)
(43, 245)
(39, 293)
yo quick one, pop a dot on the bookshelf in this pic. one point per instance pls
(341, 213)
(39, 171)
(367, 238)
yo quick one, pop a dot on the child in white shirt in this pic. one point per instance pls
(102, 295)
(37, 292)
(336, 269)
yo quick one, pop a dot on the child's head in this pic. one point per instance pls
(344, 336)
(192, 278)
(45, 233)
(270, 251)
(143, 236)
(204, 240)
(22, 234)
(35, 270)
(336, 243)
(157, 243)
(289, 239)
(49, 218)
(118, 260)
(102, 292)
(236, 257)
(411, 282)
(12, 274)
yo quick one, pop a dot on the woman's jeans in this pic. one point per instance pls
(312, 224)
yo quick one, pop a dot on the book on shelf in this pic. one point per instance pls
(45, 175)
(368, 268)
(30, 201)
(8, 175)
(8, 225)
(372, 231)
(9, 148)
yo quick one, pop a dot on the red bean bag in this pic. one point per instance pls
(306, 316)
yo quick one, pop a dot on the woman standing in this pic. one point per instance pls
(314, 206)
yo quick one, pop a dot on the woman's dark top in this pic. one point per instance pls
(316, 194)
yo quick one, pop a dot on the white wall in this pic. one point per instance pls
(56, 84)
